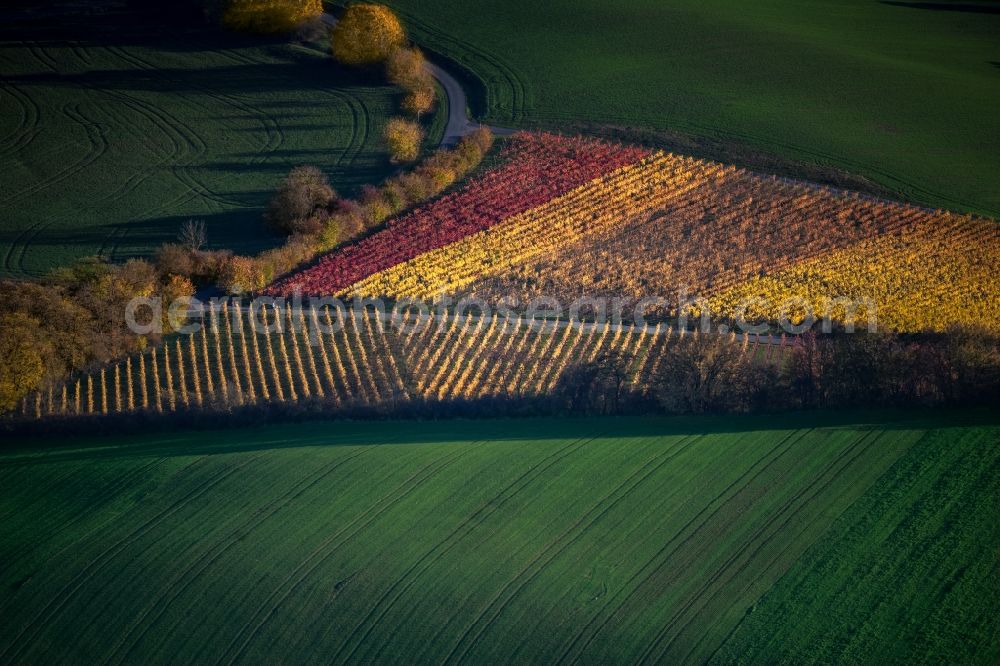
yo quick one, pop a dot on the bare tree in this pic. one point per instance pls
(193, 235)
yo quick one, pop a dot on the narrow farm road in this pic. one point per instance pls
(459, 122)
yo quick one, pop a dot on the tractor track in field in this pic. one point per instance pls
(168, 122)
(791, 507)
(109, 246)
(400, 586)
(663, 505)
(761, 546)
(41, 55)
(56, 481)
(360, 115)
(59, 601)
(28, 128)
(187, 145)
(113, 489)
(97, 146)
(274, 133)
(184, 579)
(13, 260)
(654, 563)
(324, 550)
(558, 545)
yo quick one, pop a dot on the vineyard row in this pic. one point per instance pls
(365, 364)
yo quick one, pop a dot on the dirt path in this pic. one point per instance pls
(459, 122)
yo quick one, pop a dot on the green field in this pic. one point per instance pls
(590, 540)
(901, 93)
(117, 127)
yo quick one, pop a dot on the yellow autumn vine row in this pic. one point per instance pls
(598, 206)
(925, 276)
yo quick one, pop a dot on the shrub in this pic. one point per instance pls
(174, 259)
(404, 138)
(351, 218)
(242, 275)
(208, 265)
(331, 235)
(414, 186)
(703, 373)
(136, 277)
(395, 195)
(174, 287)
(269, 16)
(440, 178)
(304, 192)
(407, 68)
(349, 224)
(366, 34)
(483, 138)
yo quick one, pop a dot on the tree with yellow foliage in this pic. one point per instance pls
(22, 358)
(269, 16)
(366, 34)
(404, 138)
(242, 275)
(408, 69)
(418, 102)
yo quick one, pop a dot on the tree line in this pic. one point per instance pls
(710, 374)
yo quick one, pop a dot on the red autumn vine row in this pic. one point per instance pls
(535, 169)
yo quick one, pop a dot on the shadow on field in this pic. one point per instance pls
(153, 29)
(168, 26)
(239, 230)
(229, 226)
(249, 437)
(285, 77)
(970, 7)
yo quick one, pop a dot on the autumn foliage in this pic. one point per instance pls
(924, 275)
(536, 169)
(404, 138)
(408, 69)
(661, 225)
(298, 204)
(366, 34)
(269, 16)
(352, 217)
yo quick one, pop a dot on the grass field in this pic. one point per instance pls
(557, 541)
(116, 127)
(901, 93)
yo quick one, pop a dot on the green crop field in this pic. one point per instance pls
(116, 127)
(555, 541)
(901, 93)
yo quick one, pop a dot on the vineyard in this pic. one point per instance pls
(664, 225)
(536, 169)
(351, 361)
(922, 276)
